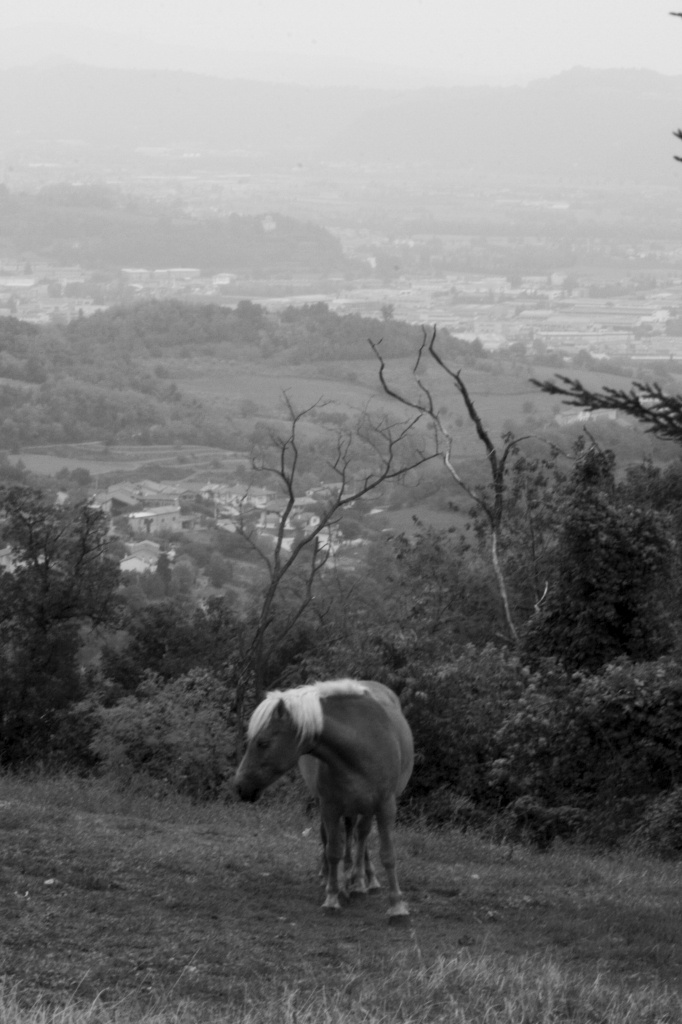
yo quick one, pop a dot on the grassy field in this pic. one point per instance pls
(246, 394)
(118, 907)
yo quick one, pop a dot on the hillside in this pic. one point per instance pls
(105, 229)
(201, 374)
(156, 910)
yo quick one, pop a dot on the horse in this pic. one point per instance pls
(355, 751)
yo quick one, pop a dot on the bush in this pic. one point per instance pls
(455, 713)
(181, 734)
(607, 744)
(660, 832)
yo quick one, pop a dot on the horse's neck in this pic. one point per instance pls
(339, 742)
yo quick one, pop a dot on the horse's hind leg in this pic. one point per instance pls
(397, 908)
(373, 882)
(358, 877)
(349, 825)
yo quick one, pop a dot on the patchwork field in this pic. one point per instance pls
(116, 906)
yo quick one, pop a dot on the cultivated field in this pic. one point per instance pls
(181, 461)
(119, 907)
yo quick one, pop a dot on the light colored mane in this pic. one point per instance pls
(304, 705)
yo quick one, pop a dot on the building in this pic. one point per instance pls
(163, 519)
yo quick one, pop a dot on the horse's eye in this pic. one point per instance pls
(262, 744)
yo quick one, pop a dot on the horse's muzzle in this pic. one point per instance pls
(248, 793)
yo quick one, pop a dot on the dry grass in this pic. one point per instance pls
(117, 907)
(466, 989)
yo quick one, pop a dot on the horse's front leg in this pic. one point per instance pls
(334, 851)
(397, 908)
(324, 867)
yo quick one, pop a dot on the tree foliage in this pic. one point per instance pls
(613, 561)
(60, 580)
(169, 639)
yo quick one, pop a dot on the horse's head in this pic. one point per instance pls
(271, 751)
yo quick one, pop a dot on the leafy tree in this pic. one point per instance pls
(163, 571)
(219, 570)
(534, 503)
(440, 593)
(169, 639)
(612, 566)
(61, 579)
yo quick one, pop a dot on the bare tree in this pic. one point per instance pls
(490, 501)
(361, 461)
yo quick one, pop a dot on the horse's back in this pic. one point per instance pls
(391, 703)
(391, 736)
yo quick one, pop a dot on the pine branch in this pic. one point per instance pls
(661, 413)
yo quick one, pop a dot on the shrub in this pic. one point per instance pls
(455, 713)
(660, 831)
(606, 743)
(180, 733)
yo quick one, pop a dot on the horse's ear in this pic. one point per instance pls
(280, 710)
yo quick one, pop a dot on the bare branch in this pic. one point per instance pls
(384, 442)
(426, 406)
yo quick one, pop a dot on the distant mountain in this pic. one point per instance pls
(612, 124)
(58, 42)
(615, 124)
(120, 108)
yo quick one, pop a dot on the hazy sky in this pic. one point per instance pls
(444, 40)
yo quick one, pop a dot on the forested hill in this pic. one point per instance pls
(102, 228)
(106, 377)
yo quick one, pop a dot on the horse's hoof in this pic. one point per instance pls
(399, 920)
(331, 910)
(355, 894)
(398, 915)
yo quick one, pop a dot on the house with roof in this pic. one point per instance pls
(162, 519)
(117, 500)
